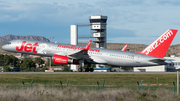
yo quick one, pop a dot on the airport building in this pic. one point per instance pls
(98, 26)
(171, 67)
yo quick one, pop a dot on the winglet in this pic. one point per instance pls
(160, 46)
(124, 48)
(87, 46)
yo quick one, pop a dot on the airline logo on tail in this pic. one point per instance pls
(160, 46)
(158, 42)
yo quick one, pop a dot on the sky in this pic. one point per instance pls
(129, 21)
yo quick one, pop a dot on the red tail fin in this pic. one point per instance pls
(160, 46)
(87, 46)
(124, 48)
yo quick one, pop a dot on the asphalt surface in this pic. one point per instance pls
(88, 72)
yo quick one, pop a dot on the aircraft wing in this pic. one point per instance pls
(98, 60)
(78, 55)
(83, 54)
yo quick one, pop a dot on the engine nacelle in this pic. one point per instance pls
(60, 59)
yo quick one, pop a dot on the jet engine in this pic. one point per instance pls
(60, 59)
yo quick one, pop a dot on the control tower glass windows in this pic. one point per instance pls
(97, 20)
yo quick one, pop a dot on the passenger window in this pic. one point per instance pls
(178, 63)
(9, 43)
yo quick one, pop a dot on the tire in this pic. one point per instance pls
(91, 69)
(80, 70)
(87, 69)
(84, 70)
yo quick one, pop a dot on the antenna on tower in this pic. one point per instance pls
(98, 13)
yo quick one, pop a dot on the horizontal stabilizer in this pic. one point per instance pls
(157, 60)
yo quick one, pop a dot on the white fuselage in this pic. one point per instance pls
(99, 56)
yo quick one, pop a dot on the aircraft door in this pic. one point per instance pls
(137, 59)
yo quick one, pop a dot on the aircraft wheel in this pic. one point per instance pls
(80, 70)
(84, 70)
(87, 69)
(91, 69)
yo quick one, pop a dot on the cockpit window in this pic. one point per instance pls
(9, 43)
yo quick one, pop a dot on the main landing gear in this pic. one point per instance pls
(85, 70)
(88, 69)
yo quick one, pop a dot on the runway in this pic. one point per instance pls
(88, 72)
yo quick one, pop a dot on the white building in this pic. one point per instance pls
(102, 69)
(74, 41)
(162, 68)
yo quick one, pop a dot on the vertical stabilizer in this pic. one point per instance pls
(124, 48)
(87, 46)
(160, 46)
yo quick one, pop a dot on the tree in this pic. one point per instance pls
(167, 55)
(39, 61)
(27, 65)
(108, 66)
(9, 60)
(1, 60)
(93, 66)
(7, 69)
(52, 64)
(14, 61)
(66, 68)
(42, 69)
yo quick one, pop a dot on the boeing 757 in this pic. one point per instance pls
(152, 55)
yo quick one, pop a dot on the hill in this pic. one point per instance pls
(5, 39)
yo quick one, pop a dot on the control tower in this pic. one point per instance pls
(98, 27)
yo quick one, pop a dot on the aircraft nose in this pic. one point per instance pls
(4, 47)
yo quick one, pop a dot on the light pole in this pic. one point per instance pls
(50, 57)
(177, 80)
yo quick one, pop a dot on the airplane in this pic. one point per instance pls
(152, 55)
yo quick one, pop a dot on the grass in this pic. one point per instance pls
(88, 79)
(73, 94)
(118, 87)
